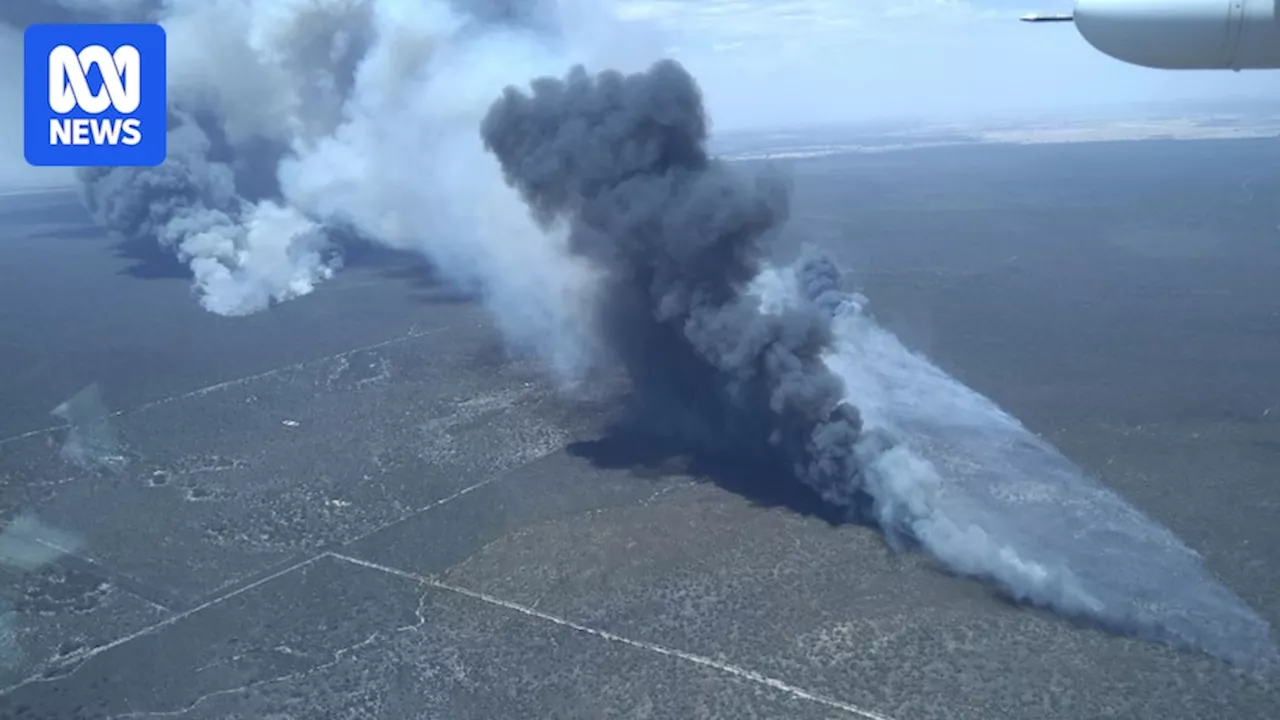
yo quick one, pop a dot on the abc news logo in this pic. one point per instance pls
(69, 88)
(94, 95)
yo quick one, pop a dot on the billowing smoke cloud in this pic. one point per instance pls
(679, 236)
(247, 83)
(297, 124)
(243, 254)
(618, 161)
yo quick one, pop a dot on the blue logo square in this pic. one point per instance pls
(94, 95)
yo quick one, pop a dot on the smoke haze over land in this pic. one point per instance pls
(299, 124)
(620, 162)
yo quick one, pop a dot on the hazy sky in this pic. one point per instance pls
(790, 62)
(14, 171)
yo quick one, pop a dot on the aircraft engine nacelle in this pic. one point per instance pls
(1184, 34)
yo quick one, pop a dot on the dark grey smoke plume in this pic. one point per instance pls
(680, 237)
(243, 253)
(517, 13)
(235, 109)
(296, 124)
(681, 240)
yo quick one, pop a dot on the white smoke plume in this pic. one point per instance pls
(297, 124)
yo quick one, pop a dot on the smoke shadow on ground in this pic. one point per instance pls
(646, 451)
(146, 259)
(426, 280)
(403, 266)
(43, 207)
(63, 234)
(149, 261)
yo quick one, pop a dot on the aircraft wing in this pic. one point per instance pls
(1180, 34)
